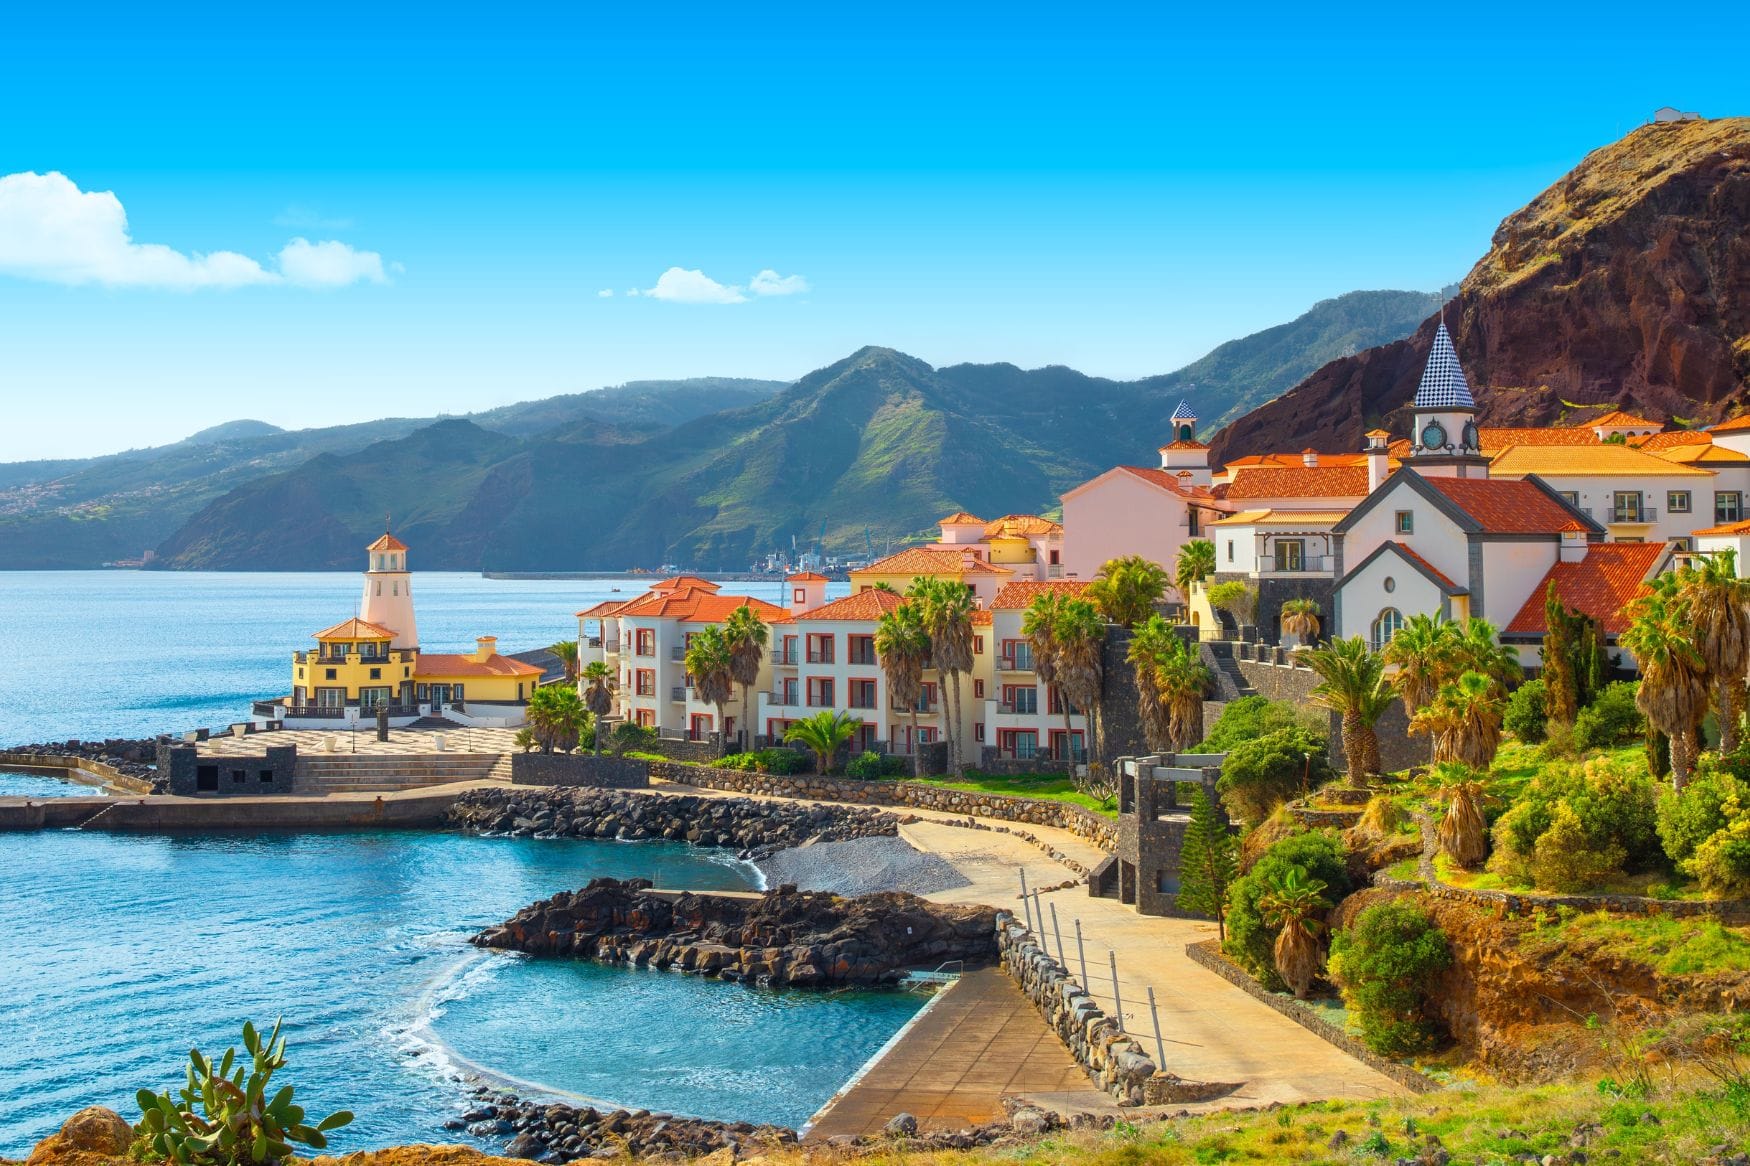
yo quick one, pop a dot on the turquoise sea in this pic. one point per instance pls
(118, 953)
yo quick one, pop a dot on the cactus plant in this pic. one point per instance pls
(238, 1121)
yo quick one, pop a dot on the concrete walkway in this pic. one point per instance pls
(977, 1042)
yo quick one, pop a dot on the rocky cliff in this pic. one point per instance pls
(1626, 284)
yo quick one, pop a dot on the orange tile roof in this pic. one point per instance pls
(1709, 454)
(806, 577)
(1165, 480)
(960, 518)
(980, 618)
(1294, 460)
(1182, 443)
(1020, 524)
(1655, 442)
(1742, 421)
(1505, 437)
(1300, 482)
(868, 605)
(436, 664)
(605, 608)
(683, 581)
(1728, 528)
(1595, 461)
(1598, 585)
(1022, 592)
(355, 629)
(1616, 417)
(1426, 565)
(1506, 506)
(932, 561)
(387, 543)
(696, 605)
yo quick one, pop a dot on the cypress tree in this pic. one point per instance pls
(1208, 863)
(1561, 690)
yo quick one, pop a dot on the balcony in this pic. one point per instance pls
(784, 699)
(677, 693)
(867, 659)
(817, 656)
(1018, 708)
(1295, 564)
(1629, 515)
(678, 654)
(1019, 662)
(1054, 571)
(785, 657)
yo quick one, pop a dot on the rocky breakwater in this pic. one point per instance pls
(123, 756)
(756, 829)
(801, 938)
(548, 1132)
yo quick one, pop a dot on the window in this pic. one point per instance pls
(1728, 506)
(647, 718)
(1055, 703)
(1230, 550)
(1681, 544)
(1076, 751)
(645, 682)
(820, 648)
(1406, 522)
(820, 691)
(1386, 626)
(1054, 560)
(376, 674)
(927, 698)
(1626, 506)
(1020, 698)
(978, 690)
(862, 694)
(978, 729)
(645, 642)
(1022, 744)
(860, 649)
(1677, 501)
(1017, 656)
(1572, 498)
(1291, 554)
(787, 691)
(786, 653)
(799, 596)
(330, 675)
(978, 645)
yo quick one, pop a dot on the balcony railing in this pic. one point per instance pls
(1629, 514)
(677, 653)
(1054, 571)
(330, 712)
(784, 657)
(1019, 662)
(1018, 708)
(646, 690)
(784, 699)
(817, 656)
(1295, 564)
(678, 692)
(864, 657)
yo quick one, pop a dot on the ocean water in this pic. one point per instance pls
(34, 785)
(122, 952)
(134, 653)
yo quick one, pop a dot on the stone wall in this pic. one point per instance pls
(188, 774)
(1287, 682)
(1114, 1061)
(1731, 912)
(1123, 728)
(118, 772)
(580, 769)
(1096, 829)
(677, 749)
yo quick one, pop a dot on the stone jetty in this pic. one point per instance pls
(756, 829)
(801, 938)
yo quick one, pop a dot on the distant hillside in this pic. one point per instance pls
(1626, 285)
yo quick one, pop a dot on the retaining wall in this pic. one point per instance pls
(580, 769)
(80, 769)
(1731, 912)
(1286, 682)
(1093, 828)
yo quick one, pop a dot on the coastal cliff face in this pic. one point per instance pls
(1626, 284)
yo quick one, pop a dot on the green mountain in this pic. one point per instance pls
(708, 473)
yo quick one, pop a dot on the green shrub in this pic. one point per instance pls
(1722, 863)
(628, 736)
(1706, 806)
(1611, 719)
(1576, 825)
(872, 766)
(783, 762)
(1261, 773)
(226, 1116)
(1382, 964)
(1247, 718)
(1528, 712)
(1249, 938)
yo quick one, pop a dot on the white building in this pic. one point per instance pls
(1023, 718)
(1636, 496)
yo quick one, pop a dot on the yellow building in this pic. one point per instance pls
(374, 660)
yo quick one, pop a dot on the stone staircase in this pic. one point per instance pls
(362, 773)
(1230, 682)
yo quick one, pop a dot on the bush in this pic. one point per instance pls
(1722, 864)
(1247, 718)
(782, 762)
(1249, 938)
(1611, 719)
(1578, 824)
(1707, 805)
(1261, 773)
(872, 766)
(1528, 712)
(628, 737)
(1382, 964)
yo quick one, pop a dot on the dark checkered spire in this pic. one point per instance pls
(1443, 385)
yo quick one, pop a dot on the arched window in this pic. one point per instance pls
(1385, 626)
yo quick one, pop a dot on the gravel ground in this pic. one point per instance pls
(861, 866)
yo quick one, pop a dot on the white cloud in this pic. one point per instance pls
(329, 264)
(50, 230)
(681, 286)
(607, 293)
(770, 283)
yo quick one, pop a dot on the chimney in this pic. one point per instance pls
(1574, 546)
(1378, 459)
(1309, 458)
(807, 592)
(485, 647)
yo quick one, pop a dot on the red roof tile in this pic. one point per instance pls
(1436, 572)
(606, 607)
(1616, 417)
(806, 577)
(432, 664)
(1504, 506)
(960, 518)
(696, 605)
(1732, 426)
(355, 629)
(683, 581)
(1599, 586)
(1183, 443)
(1670, 438)
(1300, 482)
(1498, 438)
(1020, 524)
(933, 561)
(864, 605)
(1022, 592)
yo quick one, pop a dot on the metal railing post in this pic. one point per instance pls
(1025, 914)
(1160, 1046)
(1083, 953)
(1058, 932)
(1117, 1000)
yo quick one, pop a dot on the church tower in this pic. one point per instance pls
(1185, 456)
(1446, 442)
(388, 600)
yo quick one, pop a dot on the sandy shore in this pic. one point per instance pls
(861, 866)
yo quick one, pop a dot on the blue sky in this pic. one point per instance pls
(1114, 188)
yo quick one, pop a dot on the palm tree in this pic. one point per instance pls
(1196, 563)
(1718, 604)
(711, 664)
(825, 733)
(902, 644)
(1417, 652)
(596, 696)
(1184, 679)
(556, 715)
(1300, 619)
(1081, 637)
(1464, 719)
(1149, 649)
(1039, 626)
(1463, 834)
(1475, 646)
(746, 635)
(1127, 589)
(566, 650)
(1292, 903)
(884, 585)
(1674, 682)
(1352, 685)
(946, 607)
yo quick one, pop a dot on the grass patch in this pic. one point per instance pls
(1051, 787)
(1672, 947)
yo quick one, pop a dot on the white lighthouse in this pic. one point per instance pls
(388, 600)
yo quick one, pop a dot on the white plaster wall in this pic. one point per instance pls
(1242, 540)
(1596, 494)
(1119, 514)
(1364, 596)
(1511, 572)
(1435, 537)
(1737, 542)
